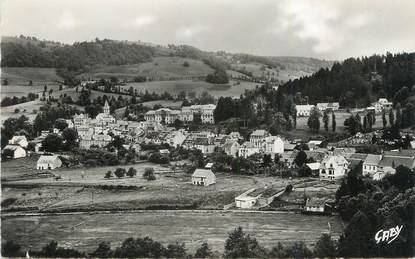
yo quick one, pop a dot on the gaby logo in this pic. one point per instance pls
(388, 235)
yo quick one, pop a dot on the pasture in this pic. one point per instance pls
(22, 76)
(174, 87)
(85, 232)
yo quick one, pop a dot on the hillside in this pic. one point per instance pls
(359, 81)
(126, 59)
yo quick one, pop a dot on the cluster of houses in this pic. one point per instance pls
(186, 115)
(304, 110)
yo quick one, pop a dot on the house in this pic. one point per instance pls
(382, 105)
(328, 106)
(164, 151)
(235, 135)
(247, 149)
(392, 159)
(273, 145)
(314, 167)
(304, 110)
(14, 151)
(203, 177)
(19, 140)
(314, 206)
(333, 167)
(313, 144)
(231, 147)
(258, 137)
(96, 140)
(48, 162)
(370, 164)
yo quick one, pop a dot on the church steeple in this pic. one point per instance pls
(106, 108)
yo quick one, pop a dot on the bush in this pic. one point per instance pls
(149, 174)
(131, 172)
(120, 172)
(108, 175)
(7, 202)
(17, 110)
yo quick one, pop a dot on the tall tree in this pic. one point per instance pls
(326, 121)
(314, 119)
(333, 122)
(391, 118)
(384, 121)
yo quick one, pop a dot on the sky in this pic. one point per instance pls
(323, 29)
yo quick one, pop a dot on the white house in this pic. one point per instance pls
(258, 137)
(304, 110)
(273, 145)
(203, 177)
(370, 164)
(247, 149)
(333, 167)
(16, 151)
(382, 104)
(231, 147)
(314, 206)
(19, 140)
(48, 162)
(328, 106)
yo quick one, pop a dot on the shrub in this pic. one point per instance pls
(120, 172)
(149, 174)
(131, 172)
(108, 175)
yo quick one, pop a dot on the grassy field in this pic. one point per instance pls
(25, 109)
(174, 87)
(85, 232)
(22, 75)
(159, 67)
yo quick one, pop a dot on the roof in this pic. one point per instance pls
(315, 203)
(247, 144)
(313, 166)
(47, 159)
(358, 156)
(315, 142)
(230, 143)
(401, 153)
(397, 161)
(208, 165)
(18, 139)
(372, 159)
(259, 132)
(203, 173)
(335, 159)
(12, 147)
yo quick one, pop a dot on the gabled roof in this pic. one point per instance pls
(259, 132)
(397, 161)
(313, 166)
(12, 147)
(401, 153)
(372, 159)
(47, 159)
(203, 173)
(17, 139)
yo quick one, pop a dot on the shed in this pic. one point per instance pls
(14, 151)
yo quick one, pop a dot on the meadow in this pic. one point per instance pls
(85, 232)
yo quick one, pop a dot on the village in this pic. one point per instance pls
(227, 170)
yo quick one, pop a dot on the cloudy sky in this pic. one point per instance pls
(313, 28)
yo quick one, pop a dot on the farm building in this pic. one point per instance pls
(245, 200)
(314, 167)
(315, 206)
(203, 177)
(14, 151)
(304, 110)
(48, 162)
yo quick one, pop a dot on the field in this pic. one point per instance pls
(174, 87)
(84, 232)
(159, 67)
(171, 188)
(22, 75)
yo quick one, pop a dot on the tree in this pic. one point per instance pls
(357, 239)
(149, 174)
(119, 172)
(325, 247)
(52, 143)
(108, 175)
(177, 250)
(398, 116)
(186, 64)
(241, 245)
(391, 118)
(314, 119)
(60, 124)
(384, 121)
(218, 77)
(103, 251)
(333, 122)
(301, 158)
(131, 172)
(70, 136)
(298, 250)
(204, 251)
(11, 249)
(326, 121)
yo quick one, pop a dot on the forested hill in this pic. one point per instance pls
(30, 52)
(26, 51)
(359, 81)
